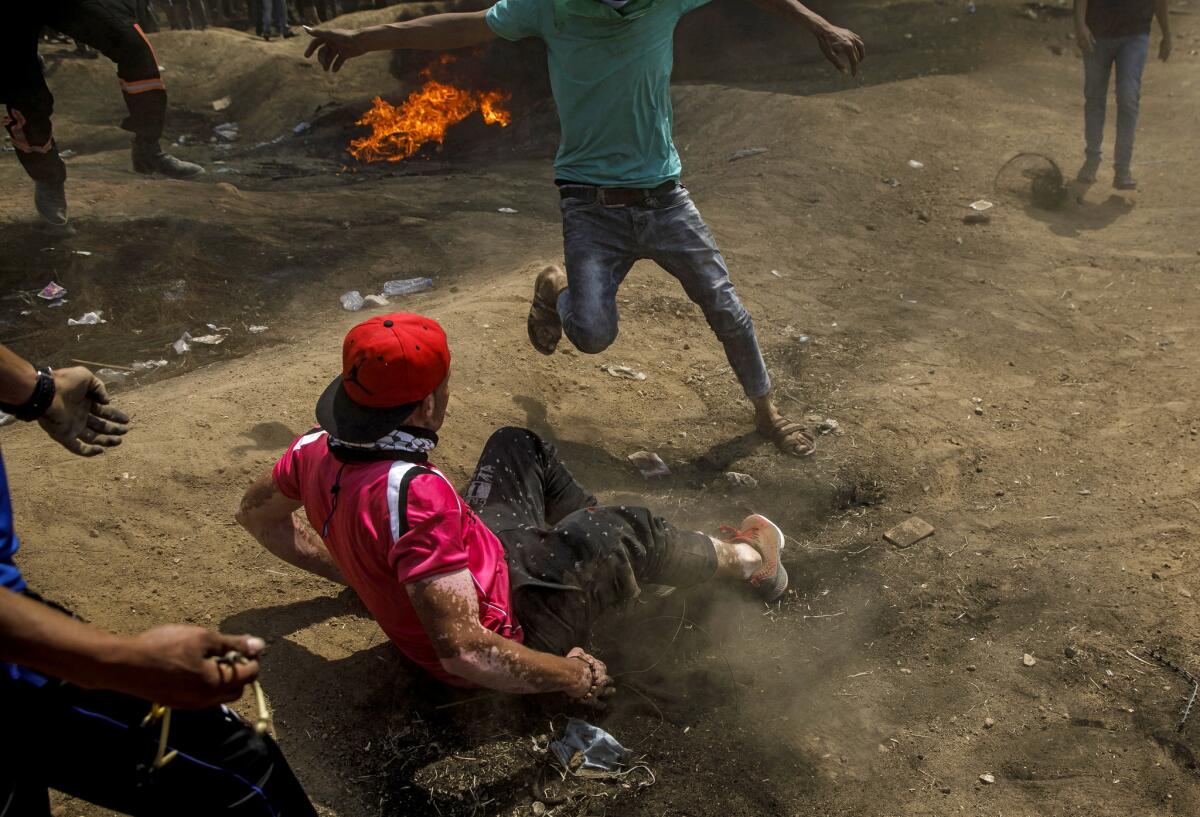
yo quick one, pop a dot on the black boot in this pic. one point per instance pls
(149, 158)
(50, 199)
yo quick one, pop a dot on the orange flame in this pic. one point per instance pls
(397, 132)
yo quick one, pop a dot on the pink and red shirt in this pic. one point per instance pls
(391, 523)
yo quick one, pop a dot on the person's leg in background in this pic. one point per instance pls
(92, 745)
(28, 108)
(107, 29)
(1097, 68)
(146, 17)
(199, 12)
(1131, 63)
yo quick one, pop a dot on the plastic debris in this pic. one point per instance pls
(829, 426)
(302, 127)
(407, 286)
(222, 103)
(981, 205)
(738, 480)
(256, 330)
(85, 253)
(746, 153)
(183, 345)
(52, 292)
(209, 340)
(66, 154)
(112, 375)
(892, 181)
(375, 300)
(650, 464)
(1028, 660)
(588, 751)
(915, 165)
(148, 365)
(87, 319)
(352, 301)
(622, 371)
(227, 132)
(506, 210)
(6, 418)
(987, 778)
(909, 532)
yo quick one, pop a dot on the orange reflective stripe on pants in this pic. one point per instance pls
(16, 128)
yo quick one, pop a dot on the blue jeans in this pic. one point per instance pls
(274, 11)
(1129, 54)
(601, 243)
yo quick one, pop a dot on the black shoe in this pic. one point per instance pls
(266, 36)
(51, 203)
(288, 34)
(1087, 173)
(1123, 179)
(148, 157)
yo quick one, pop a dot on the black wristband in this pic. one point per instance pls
(38, 402)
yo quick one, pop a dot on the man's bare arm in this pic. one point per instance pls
(271, 518)
(1163, 12)
(172, 664)
(435, 32)
(449, 610)
(841, 46)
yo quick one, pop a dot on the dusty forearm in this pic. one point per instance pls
(795, 11)
(495, 662)
(293, 541)
(17, 377)
(43, 639)
(435, 32)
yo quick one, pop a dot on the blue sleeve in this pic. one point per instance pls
(517, 19)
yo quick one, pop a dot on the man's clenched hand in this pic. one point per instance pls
(80, 418)
(176, 665)
(334, 46)
(842, 47)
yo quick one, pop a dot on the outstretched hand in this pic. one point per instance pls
(842, 47)
(333, 47)
(80, 418)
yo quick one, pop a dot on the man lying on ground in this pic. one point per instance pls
(74, 699)
(617, 169)
(501, 589)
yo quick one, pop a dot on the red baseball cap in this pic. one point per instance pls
(388, 363)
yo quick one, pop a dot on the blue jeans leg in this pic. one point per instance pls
(1097, 68)
(1131, 62)
(676, 237)
(599, 249)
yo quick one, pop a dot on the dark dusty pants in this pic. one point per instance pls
(91, 745)
(601, 244)
(569, 559)
(28, 100)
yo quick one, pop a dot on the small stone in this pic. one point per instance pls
(944, 789)
(909, 532)
(906, 671)
(979, 411)
(971, 667)
(1187, 594)
(95, 534)
(988, 723)
(1028, 660)
(1070, 651)
(987, 778)
(538, 808)
(1085, 492)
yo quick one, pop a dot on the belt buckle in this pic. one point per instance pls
(602, 195)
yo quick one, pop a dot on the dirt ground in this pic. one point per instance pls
(1022, 385)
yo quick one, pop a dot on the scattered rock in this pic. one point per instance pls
(1187, 594)
(979, 411)
(741, 480)
(909, 532)
(1070, 651)
(971, 667)
(987, 778)
(746, 153)
(650, 464)
(538, 808)
(622, 371)
(1028, 660)
(988, 723)
(1085, 492)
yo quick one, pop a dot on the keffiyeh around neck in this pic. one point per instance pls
(394, 441)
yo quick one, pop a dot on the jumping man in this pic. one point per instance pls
(617, 168)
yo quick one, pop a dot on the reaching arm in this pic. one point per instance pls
(1163, 12)
(271, 518)
(435, 32)
(449, 610)
(171, 665)
(840, 46)
(78, 418)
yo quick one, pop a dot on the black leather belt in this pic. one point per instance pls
(615, 196)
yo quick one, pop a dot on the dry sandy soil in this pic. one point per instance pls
(1021, 385)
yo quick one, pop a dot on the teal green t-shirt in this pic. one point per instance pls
(610, 71)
